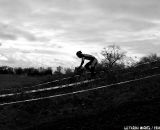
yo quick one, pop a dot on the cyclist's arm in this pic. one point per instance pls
(82, 62)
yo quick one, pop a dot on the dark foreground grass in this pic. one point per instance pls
(136, 103)
(20, 81)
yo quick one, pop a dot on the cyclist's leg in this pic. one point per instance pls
(87, 66)
(93, 66)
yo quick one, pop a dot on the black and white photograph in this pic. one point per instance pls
(79, 64)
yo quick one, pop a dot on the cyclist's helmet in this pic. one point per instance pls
(79, 53)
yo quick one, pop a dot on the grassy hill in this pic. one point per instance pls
(112, 107)
(20, 81)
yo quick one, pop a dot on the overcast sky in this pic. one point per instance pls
(49, 32)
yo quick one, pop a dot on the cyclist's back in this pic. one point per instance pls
(88, 57)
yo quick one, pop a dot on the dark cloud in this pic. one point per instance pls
(8, 36)
(142, 8)
(14, 10)
(25, 34)
(135, 24)
(10, 32)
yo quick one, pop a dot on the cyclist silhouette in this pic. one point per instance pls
(90, 65)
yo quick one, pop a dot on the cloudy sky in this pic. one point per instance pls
(49, 32)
